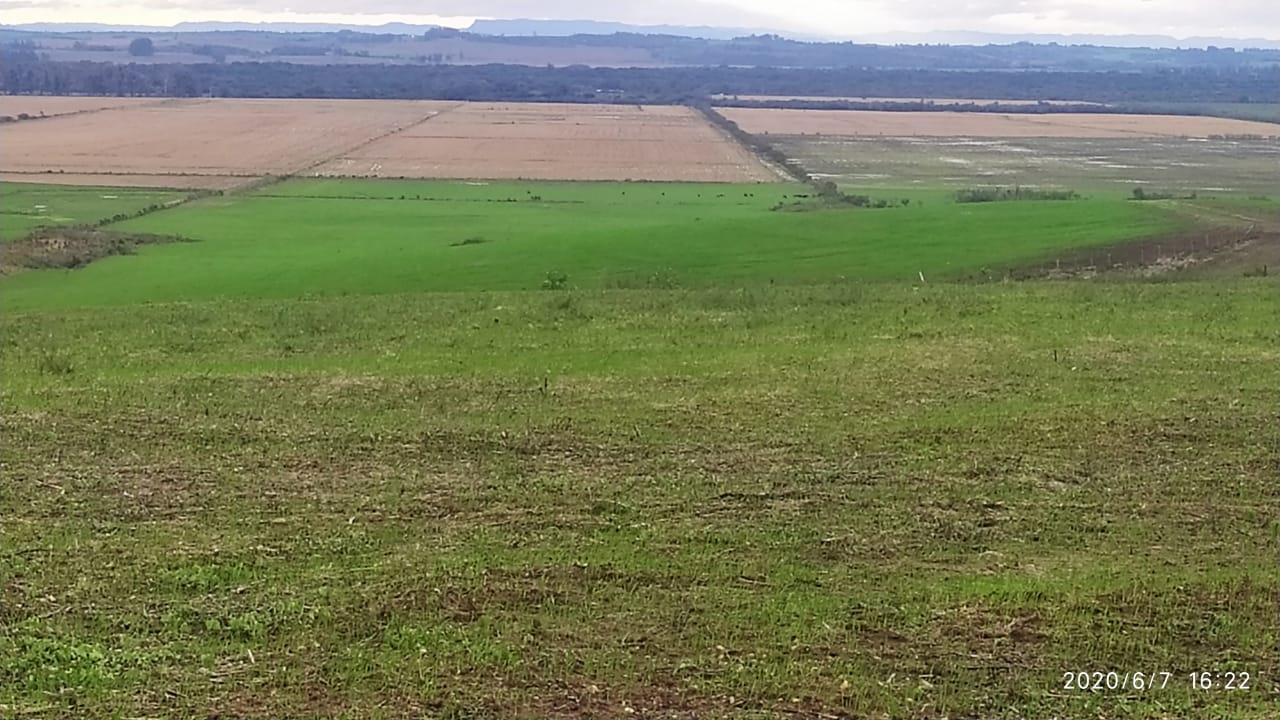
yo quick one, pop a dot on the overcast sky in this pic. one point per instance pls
(844, 18)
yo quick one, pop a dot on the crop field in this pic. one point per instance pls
(221, 144)
(202, 143)
(558, 142)
(381, 447)
(770, 121)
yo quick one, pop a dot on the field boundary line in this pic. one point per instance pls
(357, 147)
(764, 153)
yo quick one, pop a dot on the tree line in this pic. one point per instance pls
(24, 72)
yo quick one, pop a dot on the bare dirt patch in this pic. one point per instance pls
(71, 248)
(959, 124)
(1211, 251)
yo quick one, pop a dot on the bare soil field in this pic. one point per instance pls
(222, 138)
(927, 101)
(992, 125)
(221, 143)
(51, 105)
(557, 142)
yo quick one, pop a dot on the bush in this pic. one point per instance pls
(998, 194)
(555, 281)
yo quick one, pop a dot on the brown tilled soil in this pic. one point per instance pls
(959, 124)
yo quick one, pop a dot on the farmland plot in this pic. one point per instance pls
(557, 142)
(1176, 165)
(201, 143)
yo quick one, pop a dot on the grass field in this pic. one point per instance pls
(318, 237)
(866, 500)
(25, 207)
(344, 456)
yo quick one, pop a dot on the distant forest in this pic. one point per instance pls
(775, 51)
(27, 73)
(445, 46)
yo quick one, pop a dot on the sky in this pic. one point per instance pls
(832, 18)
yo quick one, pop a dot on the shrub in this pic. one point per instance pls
(555, 280)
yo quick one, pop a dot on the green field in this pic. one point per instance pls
(26, 206)
(313, 238)
(343, 456)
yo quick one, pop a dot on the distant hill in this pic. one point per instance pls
(1120, 41)
(564, 28)
(567, 28)
(193, 27)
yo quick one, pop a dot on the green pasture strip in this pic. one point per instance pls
(27, 206)
(593, 236)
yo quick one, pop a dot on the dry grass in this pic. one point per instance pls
(957, 124)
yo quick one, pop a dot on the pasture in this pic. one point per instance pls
(743, 501)
(317, 237)
(25, 207)
(472, 446)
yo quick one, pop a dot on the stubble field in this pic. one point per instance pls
(557, 142)
(224, 143)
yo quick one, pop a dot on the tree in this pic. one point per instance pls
(142, 47)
